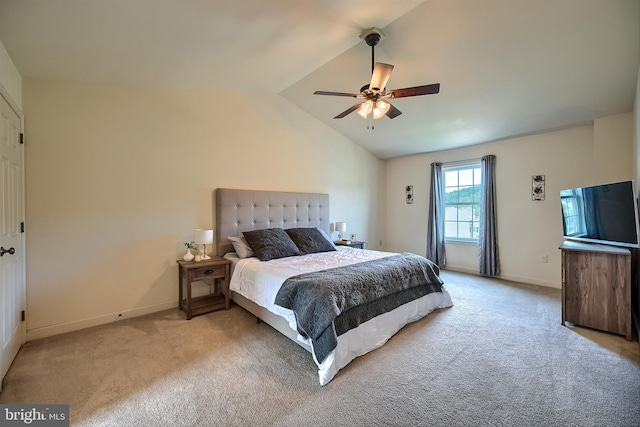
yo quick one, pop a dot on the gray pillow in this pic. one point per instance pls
(310, 240)
(241, 246)
(271, 243)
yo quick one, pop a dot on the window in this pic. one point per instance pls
(462, 194)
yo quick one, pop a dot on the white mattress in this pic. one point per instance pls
(260, 281)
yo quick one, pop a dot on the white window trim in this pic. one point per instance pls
(461, 164)
(462, 242)
(458, 165)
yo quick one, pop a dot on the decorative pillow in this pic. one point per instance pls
(241, 246)
(271, 243)
(310, 240)
(326, 236)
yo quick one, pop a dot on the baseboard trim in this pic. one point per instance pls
(61, 328)
(461, 270)
(530, 281)
(527, 280)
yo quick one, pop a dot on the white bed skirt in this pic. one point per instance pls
(377, 331)
(358, 341)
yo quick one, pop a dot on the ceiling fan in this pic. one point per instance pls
(374, 94)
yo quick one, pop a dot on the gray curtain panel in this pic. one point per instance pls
(489, 260)
(435, 226)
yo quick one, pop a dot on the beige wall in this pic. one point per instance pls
(636, 169)
(117, 177)
(527, 230)
(636, 134)
(613, 148)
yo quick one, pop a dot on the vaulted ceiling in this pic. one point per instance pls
(506, 68)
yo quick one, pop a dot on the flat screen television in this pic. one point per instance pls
(606, 214)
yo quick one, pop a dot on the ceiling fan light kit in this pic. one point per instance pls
(379, 108)
(375, 90)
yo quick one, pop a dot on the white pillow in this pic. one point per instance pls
(241, 246)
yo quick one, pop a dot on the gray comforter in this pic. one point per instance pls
(327, 303)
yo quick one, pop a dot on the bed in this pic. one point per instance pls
(280, 283)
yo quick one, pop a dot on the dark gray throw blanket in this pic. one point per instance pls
(327, 303)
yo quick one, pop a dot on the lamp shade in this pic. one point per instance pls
(204, 237)
(341, 226)
(381, 108)
(365, 108)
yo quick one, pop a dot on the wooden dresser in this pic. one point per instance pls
(596, 287)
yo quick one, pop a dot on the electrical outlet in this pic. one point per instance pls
(544, 259)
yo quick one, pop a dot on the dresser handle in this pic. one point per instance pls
(208, 272)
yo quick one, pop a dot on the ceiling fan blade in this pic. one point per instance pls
(414, 91)
(322, 92)
(348, 111)
(380, 76)
(393, 112)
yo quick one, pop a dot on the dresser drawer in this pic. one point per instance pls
(211, 272)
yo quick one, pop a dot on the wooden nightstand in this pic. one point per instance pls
(216, 269)
(355, 244)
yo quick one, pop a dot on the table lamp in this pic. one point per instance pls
(204, 237)
(341, 227)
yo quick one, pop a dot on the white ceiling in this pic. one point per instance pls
(506, 67)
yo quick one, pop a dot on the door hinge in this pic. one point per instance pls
(24, 316)
(22, 227)
(22, 138)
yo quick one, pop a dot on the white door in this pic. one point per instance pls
(12, 282)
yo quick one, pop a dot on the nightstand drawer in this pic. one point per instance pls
(211, 272)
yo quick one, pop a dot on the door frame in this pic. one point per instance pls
(16, 109)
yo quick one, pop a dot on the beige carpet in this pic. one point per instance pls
(498, 357)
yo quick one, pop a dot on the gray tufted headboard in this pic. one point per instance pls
(244, 210)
